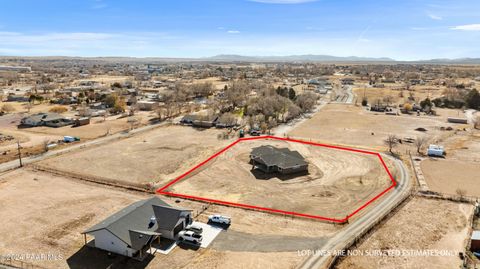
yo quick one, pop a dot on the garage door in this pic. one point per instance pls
(178, 228)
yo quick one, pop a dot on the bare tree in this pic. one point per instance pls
(420, 141)
(133, 109)
(476, 122)
(45, 144)
(391, 142)
(306, 101)
(461, 192)
(228, 119)
(161, 113)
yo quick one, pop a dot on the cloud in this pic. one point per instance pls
(282, 1)
(99, 4)
(81, 43)
(434, 17)
(467, 27)
(233, 32)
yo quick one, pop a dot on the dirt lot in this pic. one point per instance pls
(393, 91)
(338, 181)
(46, 214)
(153, 156)
(72, 206)
(353, 125)
(459, 170)
(422, 224)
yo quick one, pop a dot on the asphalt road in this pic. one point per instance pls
(385, 205)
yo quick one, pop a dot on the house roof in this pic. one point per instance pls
(137, 218)
(281, 157)
(45, 117)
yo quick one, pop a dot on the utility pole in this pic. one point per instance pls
(19, 153)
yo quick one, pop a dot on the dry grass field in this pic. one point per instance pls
(374, 94)
(338, 181)
(154, 156)
(353, 125)
(43, 213)
(62, 208)
(422, 224)
(459, 170)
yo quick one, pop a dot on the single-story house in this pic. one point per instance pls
(45, 119)
(147, 105)
(203, 121)
(17, 98)
(132, 230)
(347, 81)
(270, 159)
(457, 120)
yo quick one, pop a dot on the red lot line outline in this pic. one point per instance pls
(163, 191)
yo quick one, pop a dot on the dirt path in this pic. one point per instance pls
(240, 241)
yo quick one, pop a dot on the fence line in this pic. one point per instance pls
(96, 179)
(367, 230)
(11, 263)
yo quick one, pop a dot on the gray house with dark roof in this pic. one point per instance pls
(270, 159)
(132, 230)
(45, 119)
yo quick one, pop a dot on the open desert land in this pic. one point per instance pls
(98, 127)
(421, 224)
(353, 125)
(337, 183)
(62, 208)
(459, 171)
(106, 79)
(151, 157)
(393, 92)
(59, 208)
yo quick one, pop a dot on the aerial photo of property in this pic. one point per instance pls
(296, 134)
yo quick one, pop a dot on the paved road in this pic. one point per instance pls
(95, 142)
(386, 204)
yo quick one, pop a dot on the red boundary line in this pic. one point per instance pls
(163, 191)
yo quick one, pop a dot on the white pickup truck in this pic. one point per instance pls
(220, 219)
(190, 236)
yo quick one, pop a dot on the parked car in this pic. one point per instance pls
(194, 228)
(190, 236)
(255, 132)
(220, 219)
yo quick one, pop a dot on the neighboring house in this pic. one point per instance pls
(147, 105)
(348, 81)
(132, 230)
(270, 159)
(17, 98)
(457, 120)
(203, 121)
(45, 119)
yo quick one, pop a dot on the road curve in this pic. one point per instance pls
(385, 205)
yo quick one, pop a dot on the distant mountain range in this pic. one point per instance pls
(242, 58)
(329, 58)
(295, 58)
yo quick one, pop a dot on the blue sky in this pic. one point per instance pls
(400, 29)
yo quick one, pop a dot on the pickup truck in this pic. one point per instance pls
(190, 236)
(194, 228)
(220, 219)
